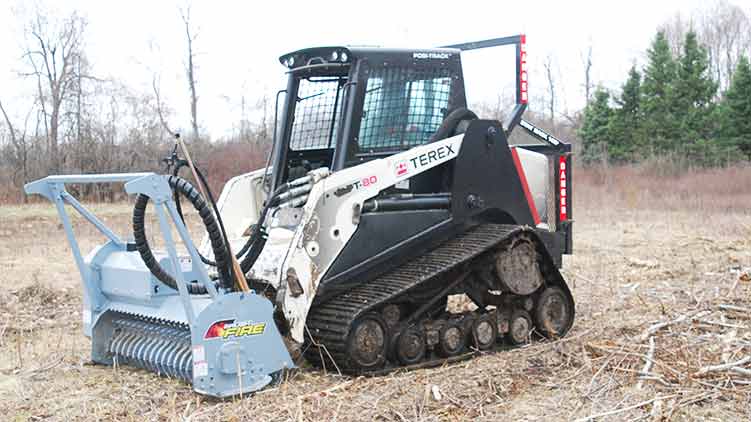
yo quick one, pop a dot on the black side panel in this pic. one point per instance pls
(485, 177)
(555, 243)
(380, 241)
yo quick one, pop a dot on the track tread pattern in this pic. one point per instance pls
(328, 324)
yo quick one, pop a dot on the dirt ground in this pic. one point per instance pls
(663, 332)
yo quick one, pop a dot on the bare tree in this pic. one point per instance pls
(53, 49)
(190, 36)
(159, 105)
(20, 144)
(675, 31)
(587, 59)
(548, 65)
(725, 29)
(153, 65)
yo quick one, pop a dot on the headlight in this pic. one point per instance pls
(344, 56)
(334, 56)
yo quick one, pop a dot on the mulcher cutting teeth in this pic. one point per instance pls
(157, 347)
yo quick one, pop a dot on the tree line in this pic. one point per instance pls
(690, 101)
(691, 98)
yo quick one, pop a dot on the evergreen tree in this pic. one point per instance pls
(659, 126)
(693, 94)
(735, 110)
(625, 135)
(595, 130)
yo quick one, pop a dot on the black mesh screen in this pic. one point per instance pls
(403, 107)
(315, 124)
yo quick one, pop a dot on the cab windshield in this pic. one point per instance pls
(316, 113)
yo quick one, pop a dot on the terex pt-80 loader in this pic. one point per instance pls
(384, 195)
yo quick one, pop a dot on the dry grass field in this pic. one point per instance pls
(661, 277)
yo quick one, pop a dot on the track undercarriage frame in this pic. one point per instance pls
(378, 326)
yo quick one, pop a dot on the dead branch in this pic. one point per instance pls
(624, 409)
(651, 330)
(741, 371)
(734, 308)
(723, 367)
(648, 361)
(326, 392)
(722, 324)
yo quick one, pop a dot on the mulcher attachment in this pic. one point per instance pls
(223, 343)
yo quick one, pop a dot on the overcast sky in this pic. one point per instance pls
(239, 43)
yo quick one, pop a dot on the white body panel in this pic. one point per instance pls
(240, 204)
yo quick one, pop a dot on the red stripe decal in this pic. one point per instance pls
(525, 186)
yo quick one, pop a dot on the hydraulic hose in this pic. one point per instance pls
(217, 234)
(258, 235)
(216, 237)
(178, 206)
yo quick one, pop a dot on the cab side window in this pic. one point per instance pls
(403, 107)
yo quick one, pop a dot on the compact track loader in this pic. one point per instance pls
(383, 196)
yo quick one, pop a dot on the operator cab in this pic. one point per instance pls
(345, 106)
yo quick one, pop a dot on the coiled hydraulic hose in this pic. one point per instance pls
(217, 235)
(183, 187)
(178, 206)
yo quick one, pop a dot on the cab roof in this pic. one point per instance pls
(342, 56)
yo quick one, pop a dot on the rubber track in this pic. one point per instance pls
(329, 323)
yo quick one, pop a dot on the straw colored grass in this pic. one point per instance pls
(663, 329)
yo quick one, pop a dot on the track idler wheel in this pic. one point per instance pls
(451, 339)
(484, 332)
(410, 346)
(520, 326)
(553, 314)
(368, 342)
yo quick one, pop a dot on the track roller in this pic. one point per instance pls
(553, 314)
(410, 346)
(451, 339)
(392, 314)
(368, 342)
(519, 327)
(484, 331)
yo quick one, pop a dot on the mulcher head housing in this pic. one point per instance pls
(223, 343)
